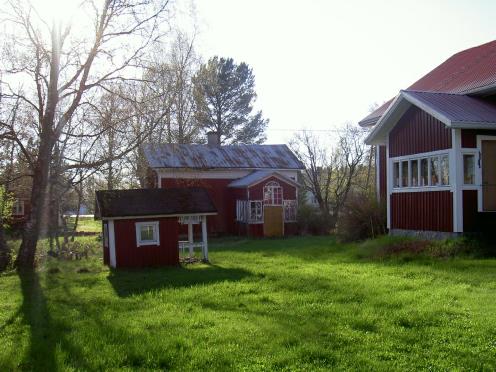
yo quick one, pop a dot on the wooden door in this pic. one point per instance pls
(273, 221)
(488, 175)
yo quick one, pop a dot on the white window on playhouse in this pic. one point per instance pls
(147, 233)
(272, 193)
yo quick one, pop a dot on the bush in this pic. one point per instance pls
(362, 217)
(311, 221)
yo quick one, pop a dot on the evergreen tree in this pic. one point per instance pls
(224, 93)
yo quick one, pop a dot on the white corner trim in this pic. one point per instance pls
(456, 179)
(156, 232)
(112, 250)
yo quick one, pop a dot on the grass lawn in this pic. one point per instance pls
(87, 224)
(295, 304)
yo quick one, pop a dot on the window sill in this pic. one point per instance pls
(421, 189)
(148, 243)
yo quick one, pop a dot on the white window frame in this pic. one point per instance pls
(18, 207)
(271, 187)
(156, 233)
(425, 155)
(259, 216)
(290, 204)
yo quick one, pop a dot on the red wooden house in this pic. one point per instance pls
(141, 227)
(436, 148)
(253, 187)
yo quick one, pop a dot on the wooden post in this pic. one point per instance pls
(204, 237)
(190, 238)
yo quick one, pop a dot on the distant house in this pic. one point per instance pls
(253, 187)
(436, 148)
(141, 227)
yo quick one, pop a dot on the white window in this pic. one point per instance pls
(289, 210)
(18, 208)
(241, 210)
(469, 169)
(421, 172)
(147, 233)
(272, 194)
(256, 211)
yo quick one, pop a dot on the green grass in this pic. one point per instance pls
(295, 304)
(86, 224)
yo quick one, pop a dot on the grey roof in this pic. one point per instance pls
(456, 108)
(210, 156)
(257, 176)
(153, 202)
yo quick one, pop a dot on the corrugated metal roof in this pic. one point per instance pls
(257, 176)
(232, 156)
(457, 108)
(466, 71)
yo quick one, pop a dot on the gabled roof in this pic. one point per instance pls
(153, 202)
(259, 176)
(471, 71)
(454, 110)
(210, 156)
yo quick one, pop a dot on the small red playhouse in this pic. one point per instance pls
(141, 227)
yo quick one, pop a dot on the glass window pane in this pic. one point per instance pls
(469, 169)
(396, 174)
(445, 170)
(414, 170)
(424, 172)
(404, 173)
(147, 233)
(434, 171)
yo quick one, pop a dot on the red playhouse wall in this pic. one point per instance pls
(106, 253)
(426, 211)
(417, 132)
(129, 255)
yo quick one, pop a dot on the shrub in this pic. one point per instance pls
(312, 221)
(362, 217)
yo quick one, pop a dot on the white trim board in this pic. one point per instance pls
(156, 216)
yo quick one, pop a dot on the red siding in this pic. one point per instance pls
(222, 197)
(426, 211)
(382, 174)
(469, 136)
(470, 210)
(418, 132)
(256, 191)
(129, 255)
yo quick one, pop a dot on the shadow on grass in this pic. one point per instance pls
(35, 314)
(132, 282)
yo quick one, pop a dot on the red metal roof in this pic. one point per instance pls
(457, 108)
(465, 72)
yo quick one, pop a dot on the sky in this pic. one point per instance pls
(319, 64)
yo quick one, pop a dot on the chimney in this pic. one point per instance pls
(213, 139)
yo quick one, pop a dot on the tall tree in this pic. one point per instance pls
(224, 94)
(65, 67)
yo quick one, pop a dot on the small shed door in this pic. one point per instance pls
(489, 175)
(273, 220)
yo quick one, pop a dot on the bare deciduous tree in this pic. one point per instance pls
(59, 70)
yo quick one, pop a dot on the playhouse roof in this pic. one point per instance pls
(153, 202)
(231, 156)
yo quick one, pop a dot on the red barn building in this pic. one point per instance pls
(436, 148)
(253, 187)
(141, 227)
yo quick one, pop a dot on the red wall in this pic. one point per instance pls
(427, 211)
(382, 174)
(256, 191)
(222, 197)
(129, 255)
(418, 132)
(469, 136)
